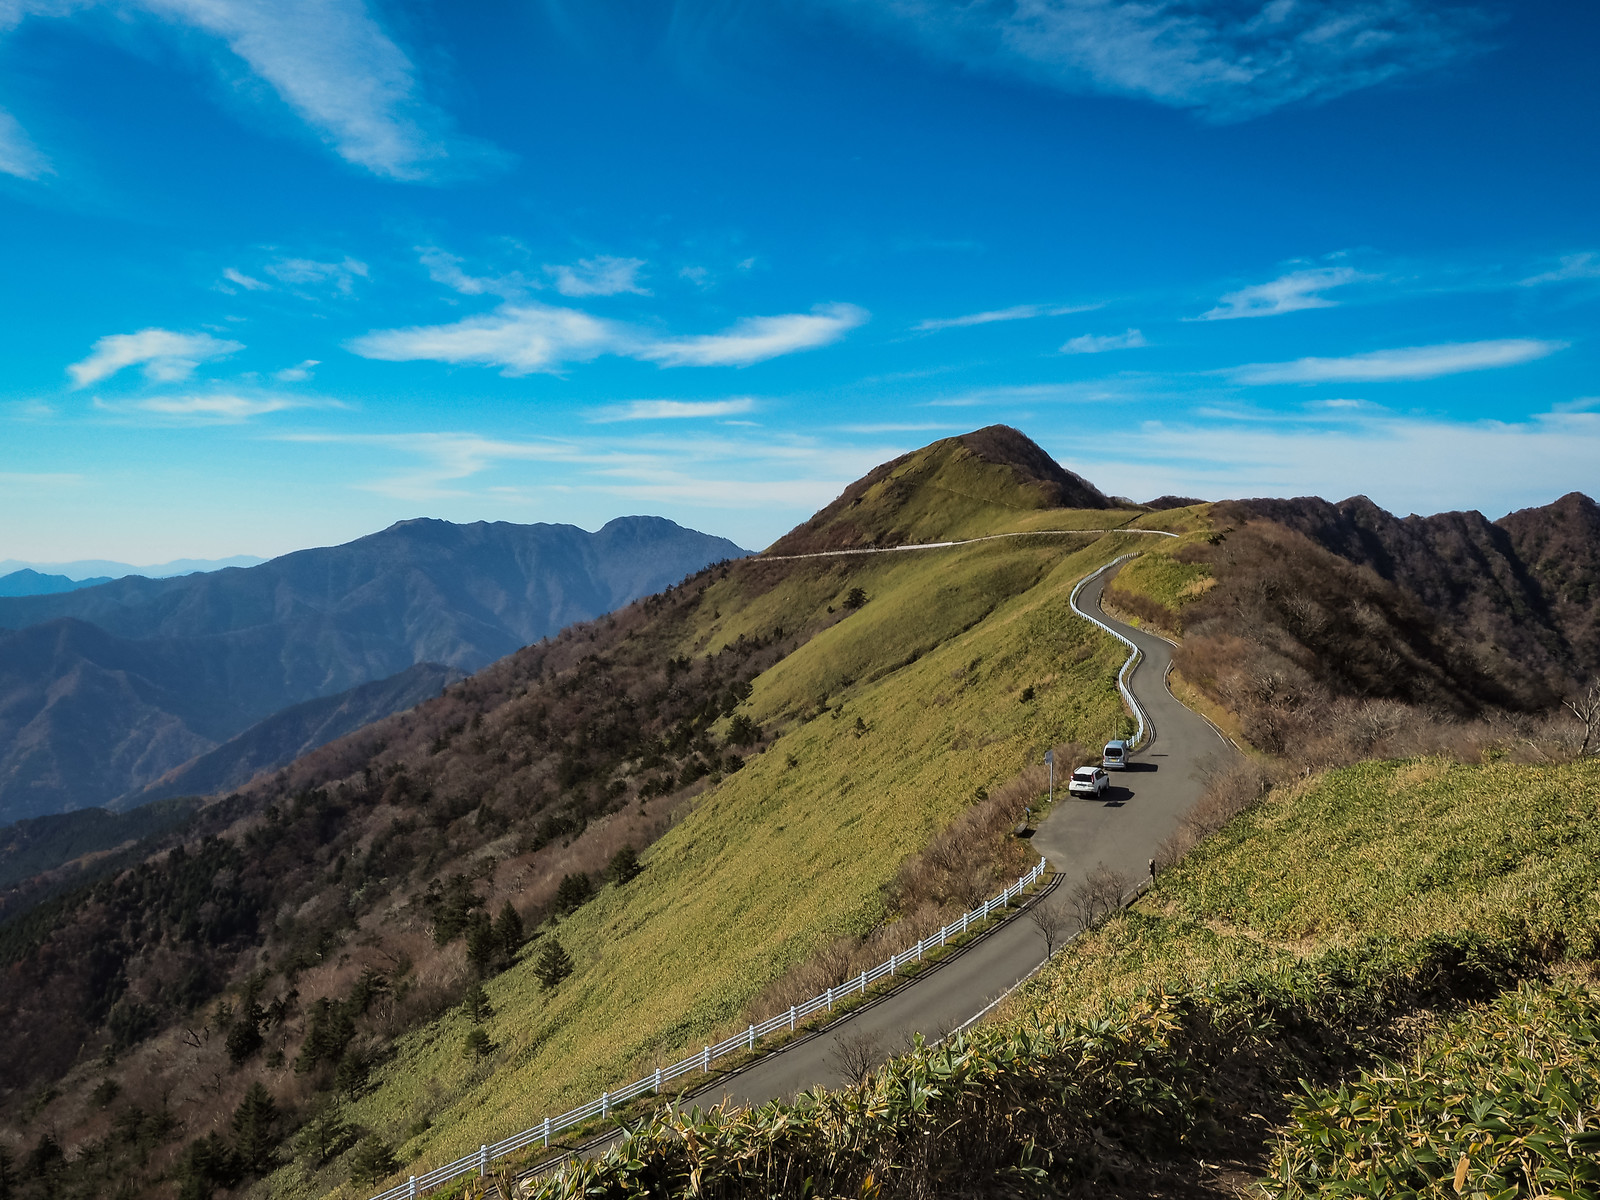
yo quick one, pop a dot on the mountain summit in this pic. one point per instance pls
(952, 488)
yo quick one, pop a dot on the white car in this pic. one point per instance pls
(1089, 781)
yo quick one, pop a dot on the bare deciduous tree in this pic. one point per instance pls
(1586, 707)
(1097, 897)
(1052, 923)
(856, 1056)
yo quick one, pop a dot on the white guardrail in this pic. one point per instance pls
(1134, 653)
(785, 1022)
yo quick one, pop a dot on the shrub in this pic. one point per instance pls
(624, 866)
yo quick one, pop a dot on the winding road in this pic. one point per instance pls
(1123, 830)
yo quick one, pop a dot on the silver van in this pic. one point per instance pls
(1115, 755)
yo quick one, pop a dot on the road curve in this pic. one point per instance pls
(1122, 831)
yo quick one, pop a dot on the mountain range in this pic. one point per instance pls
(106, 690)
(87, 571)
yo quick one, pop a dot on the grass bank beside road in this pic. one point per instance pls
(1401, 912)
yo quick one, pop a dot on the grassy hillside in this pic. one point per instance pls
(1378, 932)
(798, 846)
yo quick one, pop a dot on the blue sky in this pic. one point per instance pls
(281, 272)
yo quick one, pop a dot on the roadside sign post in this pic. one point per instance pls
(1050, 761)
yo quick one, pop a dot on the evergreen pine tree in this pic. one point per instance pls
(368, 988)
(476, 1004)
(325, 1133)
(483, 946)
(208, 1163)
(572, 893)
(255, 1134)
(477, 1044)
(244, 1035)
(351, 1076)
(372, 1160)
(508, 930)
(553, 964)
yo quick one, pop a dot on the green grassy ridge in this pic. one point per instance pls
(1300, 940)
(777, 860)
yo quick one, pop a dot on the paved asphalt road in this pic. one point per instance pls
(1122, 831)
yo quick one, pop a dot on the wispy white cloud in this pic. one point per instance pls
(1092, 344)
(520, 339)
(1019, 312)
(1119, 389)
(308, 271)
(298, 373)
(212, 408)
(446, 268)
(665, 410)
(524, 338)
(1410, 362)
(240, 280)
(1227, 61)
(600, 276)
(1573, 266)
(1288, 293)
(756, 339)
(332, 63)
(18, 155)
(166, 356)
(329, 61)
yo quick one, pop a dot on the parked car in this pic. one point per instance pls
(1089, 781)
(1115, 756)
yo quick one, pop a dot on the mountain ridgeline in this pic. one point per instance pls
(106, 690)
(1523, 592)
